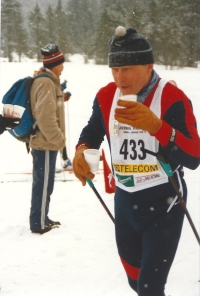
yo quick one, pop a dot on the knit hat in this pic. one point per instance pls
(127, 47)
(52, 56)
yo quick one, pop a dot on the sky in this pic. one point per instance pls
(80, 257)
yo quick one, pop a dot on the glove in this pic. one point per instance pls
(67, 96)
(11, 122)
(137, 115)
(80, 166)
(8, 122)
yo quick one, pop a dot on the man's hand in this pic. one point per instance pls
(7, 122)
(11, 122)
(67, 96)
(80, 166)
(137, 115)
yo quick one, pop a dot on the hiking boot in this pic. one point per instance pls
(41, 231)
(52, 223)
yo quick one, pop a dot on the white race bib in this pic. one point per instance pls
(133, 168)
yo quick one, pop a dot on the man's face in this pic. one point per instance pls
(57, 70)
(131, 79)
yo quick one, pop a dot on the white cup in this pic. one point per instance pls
(130, 98)
(7, 110)
(18, 111)
(92, 157)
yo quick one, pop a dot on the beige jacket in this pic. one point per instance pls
(47, 104)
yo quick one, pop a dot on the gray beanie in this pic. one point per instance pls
(127, 47)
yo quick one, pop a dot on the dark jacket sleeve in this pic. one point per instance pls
(93, 133)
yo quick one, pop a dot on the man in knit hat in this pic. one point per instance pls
(161, 120)
(47, 105)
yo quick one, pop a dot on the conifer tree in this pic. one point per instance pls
(80, 20)
(103, 32)
(60, 26)
(14, 36)
(85, 26)
(189, 16)
(163, 28)
(51, 34)
(111, 16)
(38, 32)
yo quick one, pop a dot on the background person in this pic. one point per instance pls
(47, 104)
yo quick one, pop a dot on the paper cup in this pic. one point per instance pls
(92, 157)
(130, 98)
(7, 110)
(18, 111)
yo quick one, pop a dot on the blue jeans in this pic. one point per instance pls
(43, 182)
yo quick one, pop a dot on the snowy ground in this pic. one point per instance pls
(79, 258)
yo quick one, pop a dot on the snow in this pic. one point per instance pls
(80, 257)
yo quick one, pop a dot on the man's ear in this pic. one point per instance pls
(150, 67)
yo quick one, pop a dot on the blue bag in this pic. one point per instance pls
(19, 94)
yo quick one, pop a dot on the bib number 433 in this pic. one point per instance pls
(133, 149)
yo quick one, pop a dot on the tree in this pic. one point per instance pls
(135, 14)
(189, 16)
(111, 16)
(14, 36)
(60, 26)
(162, 27)
(80, 20)
(85, 26)
(103, 32)
(51, 32)
(38, 31)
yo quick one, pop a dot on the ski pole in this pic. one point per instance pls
(90, 183)
(168, 170)
(64, 179)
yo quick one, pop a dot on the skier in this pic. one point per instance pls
(161, 121)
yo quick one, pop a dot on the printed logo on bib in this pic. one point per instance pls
(142, 179)
(135, 168)
(127, 181)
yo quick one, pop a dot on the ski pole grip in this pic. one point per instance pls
(90, 183)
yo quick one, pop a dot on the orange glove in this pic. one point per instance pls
(137, 115)
(80, 166)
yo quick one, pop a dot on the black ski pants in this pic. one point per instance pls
(147, 236)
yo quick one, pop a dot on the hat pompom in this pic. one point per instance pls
(128, 47)
(120, 31)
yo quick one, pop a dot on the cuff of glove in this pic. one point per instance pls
(163, 134)
(81, 147)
